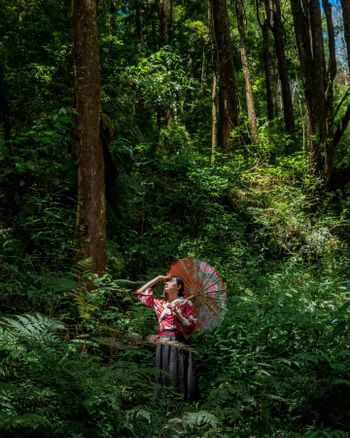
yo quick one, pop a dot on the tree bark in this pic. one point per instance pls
(139, 12)
(227, 84)
(345, 4)
(4, 107)
(91, 213)
(330, 75)
(278, 34)
(170, 23)
(332, 66)
(308, 31)
(214, 117)
(267, 70)
(163, 22)
(246, 73)
(318, 86)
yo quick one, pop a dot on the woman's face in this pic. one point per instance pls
(171, 289)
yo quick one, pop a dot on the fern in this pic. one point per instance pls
(36, 326)
(84, 269)
(202, 422)
(83, 300)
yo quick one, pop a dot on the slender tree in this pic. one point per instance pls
(214, 116)
(308, 30)
(332, 67)
(214, 90)
(4, 106)
(165, 114)
(246, 72)
(323, 135)
(266, 56)
(228, 105)
(332, 64)
(139, 16)
(165, 20)
(278, 34)
(91, 214)
(345, 4)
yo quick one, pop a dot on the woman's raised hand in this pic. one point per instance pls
(152, 283)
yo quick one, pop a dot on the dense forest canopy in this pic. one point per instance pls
(134, 133)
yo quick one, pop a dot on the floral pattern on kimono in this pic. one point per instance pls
(168, 322)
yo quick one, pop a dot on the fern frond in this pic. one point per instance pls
(84, 269)
(138, 414)
(33, 326)
(83, 300)
(191, 421)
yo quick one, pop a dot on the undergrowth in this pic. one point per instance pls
(76, 359)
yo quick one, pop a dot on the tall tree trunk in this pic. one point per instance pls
(331, 72)
(227, 84)
(265, 26)
(332, 66)
(165, 114)
(308, 30)
(203, 73)
(4, 107)
(267, 67)
(215, 108)
(345, 4)
(246, 73)
(278, 34)
(214, 116)
(91, 214)
(138, 5)
(170, 24)
(163, 22)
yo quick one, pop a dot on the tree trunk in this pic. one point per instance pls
(215, 108)
(91, 214)
(246, 73)
(203, 73)
(332, 67)
(163, 22)
(267, 67)
(330, 74)
(170, 24)
(4, 107)
(214, 117)
(278, 34)
(345, 4)
(308, 30)
(265, 25)
(227, 84)
(139, 12)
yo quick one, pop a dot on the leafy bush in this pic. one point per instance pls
(50, 387)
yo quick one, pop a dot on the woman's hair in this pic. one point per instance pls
(179, 282)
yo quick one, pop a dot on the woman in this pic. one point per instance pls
(176, 317)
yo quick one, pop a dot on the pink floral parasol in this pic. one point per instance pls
(205, 288)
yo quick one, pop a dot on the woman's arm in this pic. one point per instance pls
(151, 283)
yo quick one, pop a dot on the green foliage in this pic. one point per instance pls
(33, 327)
(193, 424)
(48, 385)
(279, 364)
(160, 80)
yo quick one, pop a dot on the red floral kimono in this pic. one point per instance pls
(167, 319)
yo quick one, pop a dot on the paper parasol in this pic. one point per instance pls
(205, 288)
